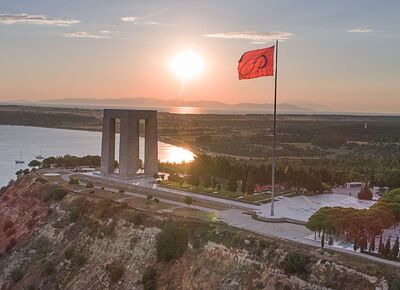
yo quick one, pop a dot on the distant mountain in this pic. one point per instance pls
(141, 102)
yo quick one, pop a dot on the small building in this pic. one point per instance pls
(354, 184)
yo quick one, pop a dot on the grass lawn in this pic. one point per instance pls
(193, 213)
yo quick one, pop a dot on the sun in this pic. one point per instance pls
(187, 64)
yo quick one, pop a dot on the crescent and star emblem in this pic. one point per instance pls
(264, 61)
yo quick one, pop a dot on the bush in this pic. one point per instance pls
(59, 193)
(395, 284)
(156, 200)
(171, 242)
(80, 260)
(137, 219)
(17, 274)
(296, 264)
(73, 181)
(149, 279)
(121, 190)
(69, 253)
(149, 197)
(74, 214)
(49, 269)
(115, 271)
(89, 184)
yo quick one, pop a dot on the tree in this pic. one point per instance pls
(207, 181)
(365, 193)
(381, 247)
(395, 249)
(19, 172)
(323, 241)
(251, 183)
(26, 171)
(34, 163)
(195, 179)
(386, 251)
(232, 183)
(188, 200)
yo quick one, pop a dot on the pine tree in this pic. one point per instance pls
(232, 183)
(251, 183)
(323, 240)
(381, 248)
(372, 244)
(386, 251)
(355, 245)
(395, 249)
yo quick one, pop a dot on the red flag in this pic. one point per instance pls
(257, 63)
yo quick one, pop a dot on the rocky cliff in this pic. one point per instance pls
(53, 239)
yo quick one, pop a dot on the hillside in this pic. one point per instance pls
(53, 239)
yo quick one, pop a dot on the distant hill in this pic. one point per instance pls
(142, 102)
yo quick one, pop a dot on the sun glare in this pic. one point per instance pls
(187, 64)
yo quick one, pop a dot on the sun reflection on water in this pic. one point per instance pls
(178, 155)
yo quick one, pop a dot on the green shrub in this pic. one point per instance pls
(17, 274)
(149, 197)
(59, 193)
(74, 214)
(103, 209)
(137, 219)
(49, 269)
(156, 200)
(115, 271)
(296, 264)
(171, 242)
(80, 260)
(69, 253)
(89, 184)
(149, 278)
(395, 284)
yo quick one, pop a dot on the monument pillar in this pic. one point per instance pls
(151, 146)
(129, 147)
(108, 146)
(129, 142)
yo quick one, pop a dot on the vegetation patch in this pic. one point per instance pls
(171, 242)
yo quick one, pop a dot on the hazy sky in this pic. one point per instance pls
(339, 54)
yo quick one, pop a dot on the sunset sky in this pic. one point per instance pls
(340, 54)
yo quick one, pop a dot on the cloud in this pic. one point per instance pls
(254, 37)
(84, 34)
(360, 30)
(105, 31)
(34, 19)
(139, 20)
(129, 19)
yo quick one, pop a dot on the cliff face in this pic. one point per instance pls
(74, 242)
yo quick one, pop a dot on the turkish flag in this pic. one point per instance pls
(257, 63)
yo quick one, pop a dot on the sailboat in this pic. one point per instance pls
(20, 161)
(40, 156)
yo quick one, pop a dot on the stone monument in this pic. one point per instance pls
(129, 142)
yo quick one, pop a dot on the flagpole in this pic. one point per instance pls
(274, 133)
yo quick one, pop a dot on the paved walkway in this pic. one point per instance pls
(237, 218)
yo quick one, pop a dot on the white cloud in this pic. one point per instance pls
(254, 37)
(139, 20)
(129, 19)
(105, 31)
(360, 30)
(84, 34)
(34, 19)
